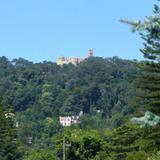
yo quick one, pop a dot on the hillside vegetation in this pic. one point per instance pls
(38, 93)
(109, 92)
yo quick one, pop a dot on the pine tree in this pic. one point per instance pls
(8, 142)
(132, 140)
(149, 80)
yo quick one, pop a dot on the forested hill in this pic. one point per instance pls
(96, 84)
(101, 109)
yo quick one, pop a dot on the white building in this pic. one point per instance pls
(68, 121)
(65, 121)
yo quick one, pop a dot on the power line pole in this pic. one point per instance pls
(64, 149)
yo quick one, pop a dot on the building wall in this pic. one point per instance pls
(65, 121)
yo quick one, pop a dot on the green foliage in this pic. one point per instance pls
(155, 156)
(117, 120)
(102, 88)
(128, 139)
(8, 139)
(41, 92)
(41, 155)
(149, 78)
(37, 91)
(137, 156)
(68, 89)
(83, 145)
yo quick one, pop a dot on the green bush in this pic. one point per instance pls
(137, 156)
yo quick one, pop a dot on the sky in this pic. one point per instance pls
(42, 30)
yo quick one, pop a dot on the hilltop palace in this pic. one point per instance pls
(73, 60)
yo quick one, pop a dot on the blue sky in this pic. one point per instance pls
(40, 30)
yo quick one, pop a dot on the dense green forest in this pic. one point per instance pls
(108, 91)
(38, 93)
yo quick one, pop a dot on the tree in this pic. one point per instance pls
(41, 155)
(41, 92)
(8, 140)
(149, 80)
(81, 144)
(156, 156)
(137, 156)
(129, 139)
